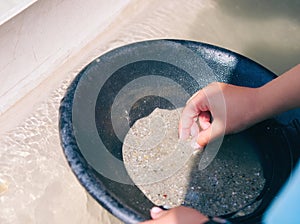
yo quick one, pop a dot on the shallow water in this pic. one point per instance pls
(36, 184)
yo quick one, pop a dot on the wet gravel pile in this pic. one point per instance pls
(166, 169)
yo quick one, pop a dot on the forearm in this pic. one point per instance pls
(279, 95)
(243, 106)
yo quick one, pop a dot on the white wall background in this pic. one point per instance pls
(10, 8)
(43, 36)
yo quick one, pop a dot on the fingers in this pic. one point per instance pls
(178, 215)
(155, 213)
(201, 108)
(194, 130)
(187, 119)
(204, 137)
(204, 120)
(214, 130)
(193, 108)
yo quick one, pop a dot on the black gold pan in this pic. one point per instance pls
(128, 83)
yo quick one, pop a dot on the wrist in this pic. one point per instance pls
(252, 107)
(268, 103)
(260, 105)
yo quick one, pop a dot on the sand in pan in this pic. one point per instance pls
(166, 169)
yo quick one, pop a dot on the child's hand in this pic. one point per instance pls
(218, 109)
(178, 215)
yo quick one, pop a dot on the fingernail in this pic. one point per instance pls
(206, 125)
(195, 145)
(156, 210)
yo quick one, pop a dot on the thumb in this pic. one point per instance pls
(157, 212)
(215, 130)
(204, 137)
